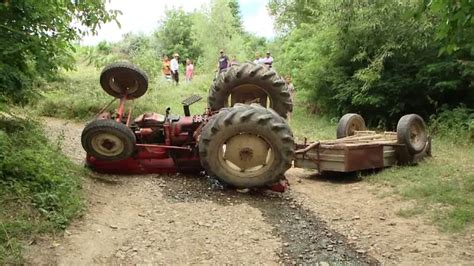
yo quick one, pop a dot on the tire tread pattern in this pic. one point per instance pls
(250, 73)
(262, 120)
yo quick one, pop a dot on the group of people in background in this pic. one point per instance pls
(267, 60)
(170, 68)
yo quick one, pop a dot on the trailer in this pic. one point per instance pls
(358, 149)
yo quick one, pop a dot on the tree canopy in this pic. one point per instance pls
(382, 59)
(37, 39)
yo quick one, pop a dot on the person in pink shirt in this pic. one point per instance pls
(189, 70)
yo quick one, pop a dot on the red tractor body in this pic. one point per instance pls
(164, 143)
(246, 145)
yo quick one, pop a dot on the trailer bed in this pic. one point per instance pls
(361, 151)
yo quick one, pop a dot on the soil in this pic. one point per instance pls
(179, 219)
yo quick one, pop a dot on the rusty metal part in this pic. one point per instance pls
(164, 146)
(121, 109)
(104, 108)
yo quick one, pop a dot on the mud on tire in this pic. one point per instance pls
(108, 140)
(246, 146)
(250, 79)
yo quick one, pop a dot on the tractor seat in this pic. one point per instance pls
(150, 120)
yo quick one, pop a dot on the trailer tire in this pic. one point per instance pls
(122, 78)
(107, 139)
(246, 146)
(411, 131)
(248, 78)
(348, 124)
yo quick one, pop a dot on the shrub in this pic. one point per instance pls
(456, 125)
(39, 187)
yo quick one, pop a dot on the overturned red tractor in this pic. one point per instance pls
(242, 137)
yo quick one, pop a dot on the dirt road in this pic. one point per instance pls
(189, 220)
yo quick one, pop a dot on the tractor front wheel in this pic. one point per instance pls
(124, 79)
(108, 140)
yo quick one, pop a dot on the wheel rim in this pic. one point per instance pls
(116, 85)
(250, 90)
(416, 135)
(107, 145)
(354, 126)
(246, 155)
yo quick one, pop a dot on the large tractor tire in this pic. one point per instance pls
(411, 131)
(124, 79)
(246, 146)
(349, 124)
(250, 83)
(108, 140)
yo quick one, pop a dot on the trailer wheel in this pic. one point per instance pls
(348, 124)
(250, 83)
(411, 131)
(246, 146)
(108, 140)
(120, 79)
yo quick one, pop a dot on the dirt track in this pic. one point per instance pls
(183, 220)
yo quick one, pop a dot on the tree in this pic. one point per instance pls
(215, 28)
(456, 27)
(37, 39)
(174, 35)
(377, 58)
(235, 11)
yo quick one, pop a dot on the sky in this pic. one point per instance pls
(143, 16)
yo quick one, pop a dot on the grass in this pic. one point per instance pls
(442, 186)
(40, 190)
(79, 96)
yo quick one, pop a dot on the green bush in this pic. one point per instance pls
(39, 187)
(456, 125)
(378, 58)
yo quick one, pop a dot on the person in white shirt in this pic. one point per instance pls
(268, 60)
(257, 59)
(174, 65)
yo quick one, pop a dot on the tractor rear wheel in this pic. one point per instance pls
(246, 146)
(250, 83)
(349, 124)
(120, 79)
(108, 140)
(411, 131)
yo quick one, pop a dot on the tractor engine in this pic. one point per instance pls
(152, 128)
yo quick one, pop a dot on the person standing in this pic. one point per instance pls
(268, 60)
(257, 59)
(165, 68)
(174, 65)
(189, 70)
(223, 61)
(234, 62)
